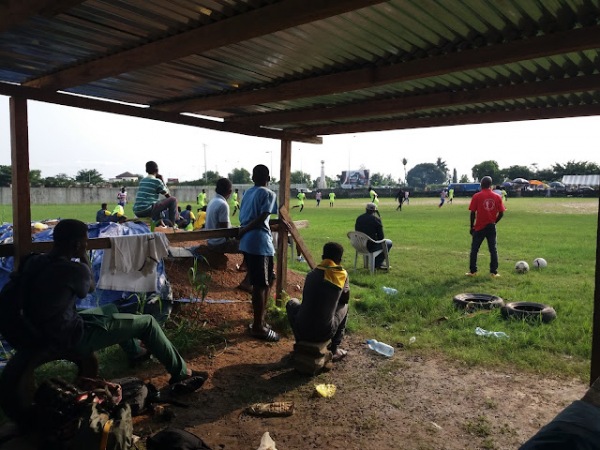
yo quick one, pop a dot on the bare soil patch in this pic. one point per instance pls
(411, 401)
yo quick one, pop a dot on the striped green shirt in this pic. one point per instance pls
(149, 189)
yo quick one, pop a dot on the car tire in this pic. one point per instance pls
(477, 301)
(528, 311)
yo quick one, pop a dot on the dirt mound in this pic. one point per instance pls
(407, 402)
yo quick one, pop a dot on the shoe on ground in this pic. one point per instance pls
(300, 259)
(495, 275)
(471, 274)
(190, 383)
(384, 267)
(270, 335)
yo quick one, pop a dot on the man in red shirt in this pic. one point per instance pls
(486, 211)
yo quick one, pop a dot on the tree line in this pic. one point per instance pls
(420, 176)
(438, 173)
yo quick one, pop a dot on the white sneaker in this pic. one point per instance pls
(300, 259)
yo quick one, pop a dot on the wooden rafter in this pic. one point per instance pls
(557, 43)
(269, 19)
(557, 112)
(15, 12)
(146, 113)
(375, 108)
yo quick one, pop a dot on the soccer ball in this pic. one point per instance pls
(522, 267)
(539, 263)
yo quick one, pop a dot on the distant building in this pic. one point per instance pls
(172, 180)
(582, 180)
(125, 176)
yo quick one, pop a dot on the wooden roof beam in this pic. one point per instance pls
(557, 43)
(266, 20)
(13, 90)
(558, 112)
(15, 12)
(374, 108)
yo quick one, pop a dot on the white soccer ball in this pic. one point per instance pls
(522, 267)
(539, 263)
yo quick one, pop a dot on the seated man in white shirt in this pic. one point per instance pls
(217, 216)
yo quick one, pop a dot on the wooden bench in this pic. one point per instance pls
(205, 255)
(17, 380)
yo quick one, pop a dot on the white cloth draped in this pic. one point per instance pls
(130, 262)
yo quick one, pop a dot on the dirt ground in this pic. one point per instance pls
(410, 401)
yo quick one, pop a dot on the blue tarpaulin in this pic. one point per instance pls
(100, 296)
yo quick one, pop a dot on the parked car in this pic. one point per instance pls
(584, 191)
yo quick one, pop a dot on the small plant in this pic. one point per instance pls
(199, 279)
(480, 426)
(490, 403)
(142, 299)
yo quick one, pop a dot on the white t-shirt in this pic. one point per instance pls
(217, 212)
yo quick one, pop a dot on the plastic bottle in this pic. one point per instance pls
(481, 332)
(389, 290)
(381, 348)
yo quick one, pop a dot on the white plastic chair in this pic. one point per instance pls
(360, 243)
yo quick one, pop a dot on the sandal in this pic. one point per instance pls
(266, 326)
(339, 355)
(269, 336)
(190, 383)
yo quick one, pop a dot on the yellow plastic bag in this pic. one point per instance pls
(325, 390)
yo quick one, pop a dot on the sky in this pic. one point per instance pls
(67, 140)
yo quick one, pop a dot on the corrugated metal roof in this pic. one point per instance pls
(163, 54)
(581, 180)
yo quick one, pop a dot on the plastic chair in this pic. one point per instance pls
(360, 243)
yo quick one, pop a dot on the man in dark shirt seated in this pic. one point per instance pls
(52, 284)
(370, 224)
(103, 214)
(323, 313)
(186, 218)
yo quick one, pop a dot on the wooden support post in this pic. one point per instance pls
(284, 202)
(595, 366)
(20, 178)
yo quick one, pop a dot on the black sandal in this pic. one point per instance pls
(190, 383)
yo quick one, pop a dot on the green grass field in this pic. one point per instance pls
(429, 259)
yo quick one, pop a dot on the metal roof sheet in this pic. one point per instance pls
(288, 56)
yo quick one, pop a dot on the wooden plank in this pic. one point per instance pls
(173, 237)
(19, 132)
(285, 171)
(299, 224)
(147, 113)
(553, 44)
(297, 238)
(258, 22)
(386, 107)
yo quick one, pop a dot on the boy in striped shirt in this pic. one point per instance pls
(147, 202)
